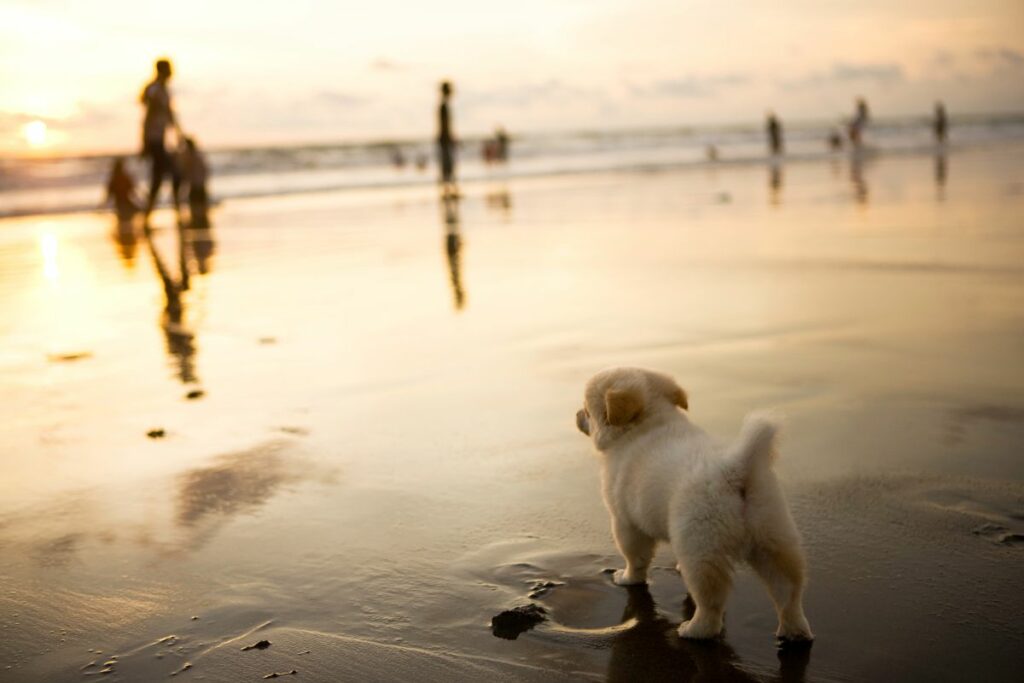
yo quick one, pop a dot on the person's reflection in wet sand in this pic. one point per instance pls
(203, 246)
(180, 340)
(453, 246)
(651, 651)
(126, 237)
(775, 184)
(500, 200)
(941, 170)
(860, 186)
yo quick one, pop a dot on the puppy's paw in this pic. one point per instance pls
(699, 630)
(794, 635)
(621, 578)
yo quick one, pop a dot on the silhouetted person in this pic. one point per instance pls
(711, 152)
(941, 123)
(860, 120)
(195, 174)
(156, 97)
(489, 151)
(446, 140)
(397, 157)
(453, 247)
(501, 142)
(121, 191)
(774, 129)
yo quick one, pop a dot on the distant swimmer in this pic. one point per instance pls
(446, 140)
(941, 123)
(501, 142)
(774, 129)
(835, 141)
(156, 97)
(397, 157)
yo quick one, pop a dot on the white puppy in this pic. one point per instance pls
(664, 479)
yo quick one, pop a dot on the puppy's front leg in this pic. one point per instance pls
(638, 550)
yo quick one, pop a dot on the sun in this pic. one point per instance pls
(34, 133)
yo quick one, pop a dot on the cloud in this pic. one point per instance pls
(879, 73)
(691, 86)
(339, 98)
(528, 94)
(385, 64)
(1000, 58)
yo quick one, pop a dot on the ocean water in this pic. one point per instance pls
(75, 183)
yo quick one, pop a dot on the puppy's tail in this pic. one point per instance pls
(754, 450)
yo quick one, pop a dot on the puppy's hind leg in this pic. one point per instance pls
(638, 550)
(708, 579)
(781, 568)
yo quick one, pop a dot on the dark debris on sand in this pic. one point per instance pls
(512, 622)
(158, 433)
(69, 357)
(194, 394)
(284, 673)
(260, 645)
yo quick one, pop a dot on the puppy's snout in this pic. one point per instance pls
(581, 422)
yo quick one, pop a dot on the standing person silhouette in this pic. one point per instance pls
(446, 141)
(861, 117)
(156, 98)
(774, 129)
(941, 123)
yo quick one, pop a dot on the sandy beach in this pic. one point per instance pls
(379, 452)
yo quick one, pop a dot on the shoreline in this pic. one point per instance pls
(501, 175)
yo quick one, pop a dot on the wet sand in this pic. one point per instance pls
(383, 455)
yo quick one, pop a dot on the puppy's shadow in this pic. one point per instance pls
(652, 651)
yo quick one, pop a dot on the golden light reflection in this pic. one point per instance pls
(68, 306)
(35, 134)
(48, 250)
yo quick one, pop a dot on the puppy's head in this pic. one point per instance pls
(618, 399)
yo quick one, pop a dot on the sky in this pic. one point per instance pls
(308, 71)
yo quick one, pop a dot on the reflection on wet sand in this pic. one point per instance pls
(126, 238)
(453, 246)
(202, 245)
(180, 340)
(500, 200)
(197, 243)
(651, 651)
(860, 186)
(234, 484)
(940, 174)
(775, 184)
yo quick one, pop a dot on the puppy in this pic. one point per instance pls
(664, 479)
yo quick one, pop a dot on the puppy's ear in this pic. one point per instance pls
(678, 396)
(622, 405)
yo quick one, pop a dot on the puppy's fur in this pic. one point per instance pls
(664, 479)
